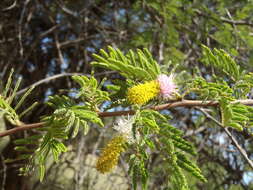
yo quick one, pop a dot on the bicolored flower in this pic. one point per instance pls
(124, 127)
(167, 85)
(142, 93)
(110, 154)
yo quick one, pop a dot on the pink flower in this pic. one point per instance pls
(167, 86)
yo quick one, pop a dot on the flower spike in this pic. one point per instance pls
(142, 93)
(110, 155)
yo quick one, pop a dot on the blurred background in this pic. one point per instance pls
(47, 41)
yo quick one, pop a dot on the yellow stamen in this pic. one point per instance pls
(142, 93)
(110, 155)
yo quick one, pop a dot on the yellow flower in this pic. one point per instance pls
(110, 155)
(142, 93)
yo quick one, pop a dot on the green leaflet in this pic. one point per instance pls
(42, 170)
(189, 166)
(8, 85)
(169, 141)
(183, 145)
(69, 117)
(236, 115)
(11, 113)
(222, 61)
(23, 149)
(138, 171)
(180, 179)
(65, 122)
(28, 140)
(57, 148)
(76, 127)
(210, 90)
(138, 66)
(159, 134)
(85, 127)
(236, 126)
(90, 92)
(167, 128)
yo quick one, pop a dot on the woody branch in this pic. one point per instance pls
(182, 103)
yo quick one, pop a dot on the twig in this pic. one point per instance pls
(225, 20)
(21, 128)
(58, 76)
(183, 103)
(50, 30)
(194, 132)
(235, 32)
(46, 80)
(161, 50)
(60, 55)
(70, 42)
(20, 27)
(11, 6)
(241, 150)
(239, 22)
(66, 10)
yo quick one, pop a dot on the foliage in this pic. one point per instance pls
(156, 133)
(90, 92)
(42, 38)
(6, 99)
(159, 135)
(66, 121)
(138, 66)
(233, 115)
(221, 61)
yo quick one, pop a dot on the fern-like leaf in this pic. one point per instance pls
(138, 66)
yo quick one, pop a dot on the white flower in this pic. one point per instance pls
(124, 127)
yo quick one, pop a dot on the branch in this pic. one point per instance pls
(20, 27)
(21, 128)
(60, 55)
(45, 80)
(66, 10)
(225, 20)
(234, 22)
(11, 6)
(182, 103)
(241, 150)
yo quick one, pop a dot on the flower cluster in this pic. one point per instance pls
(167, 86)
(139, 94)
(110, 155)
(125, 128)
(142, 93)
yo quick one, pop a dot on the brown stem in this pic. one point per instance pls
(183, 103)
(21, 128)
